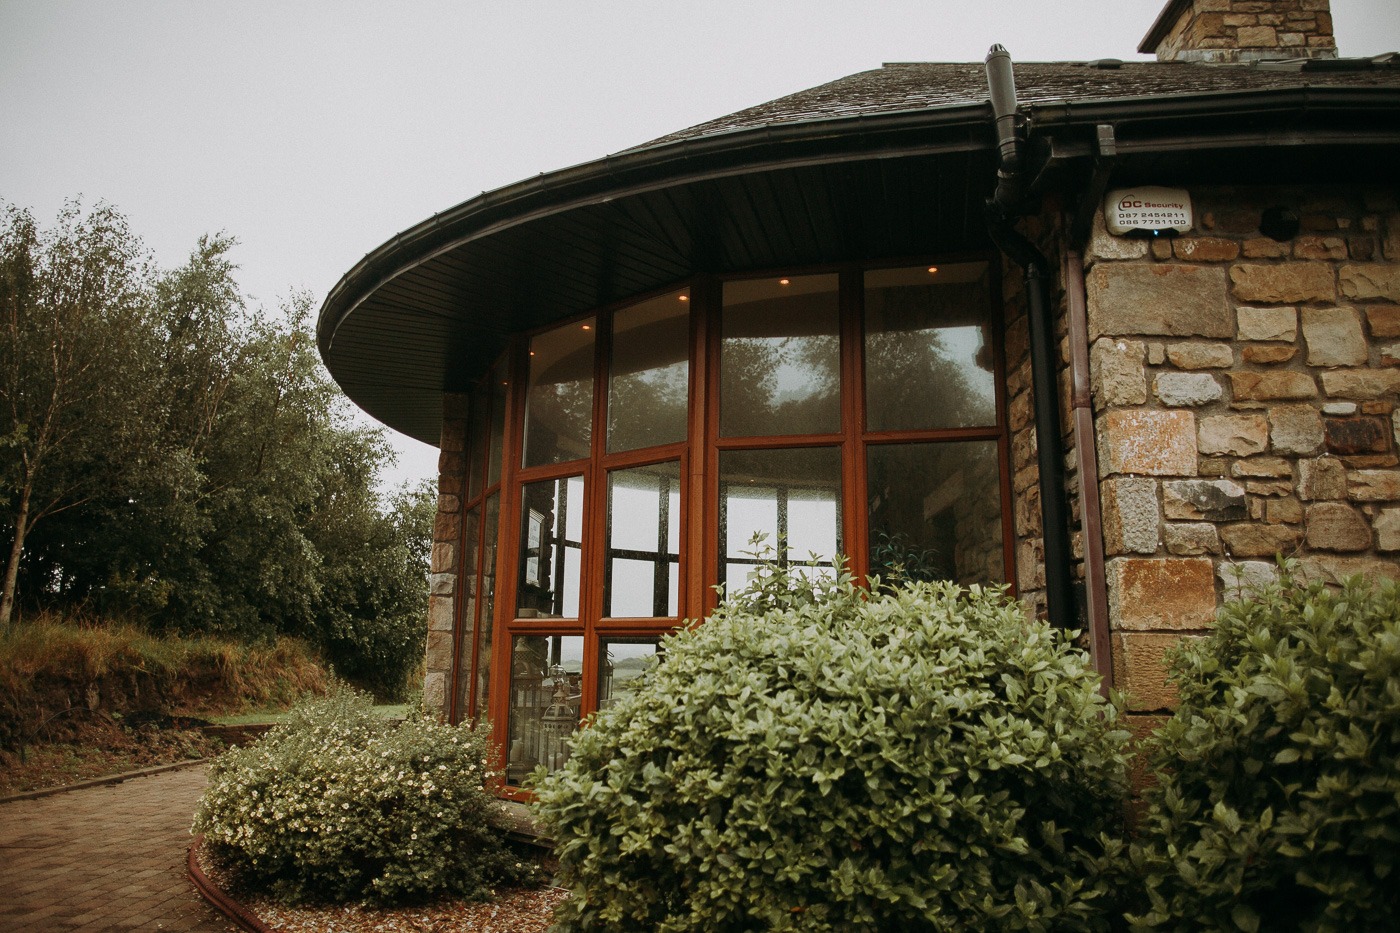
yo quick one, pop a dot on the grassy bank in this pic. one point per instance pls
(56, 674)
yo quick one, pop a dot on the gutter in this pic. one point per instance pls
(1001, 84)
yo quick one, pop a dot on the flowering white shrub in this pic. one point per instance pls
(337, 804)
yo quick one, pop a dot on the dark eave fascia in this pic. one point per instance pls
(1162, 25)
(957, 128)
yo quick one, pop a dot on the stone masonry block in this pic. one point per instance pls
(1151, 443)
(1196, 355)
(1116, 372)
(1190, 539)
(1334, 337)
(1267, 323)
(1360, 383)
(1252, 539)
(1240, 578)
(435, 692)
(1214, 500)
(1140, 669)
(1236, 435)
(1321, 478)
(441, 615)
(1186, 390)
(1387, 528)
(1168, 300)
(1362, 280)
(1336, 526)
(1171, 594)
(1130, 519)
(1295, 429)
(1384, 320)
(1104, 245)
(444, 557)
(1373, 485)
(1283, 282)
(1267, 387)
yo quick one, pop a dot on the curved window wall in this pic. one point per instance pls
(628, 467)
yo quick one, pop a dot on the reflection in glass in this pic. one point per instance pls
(486, 618)
(935, 512)
(498, 425)
(791, 496)
(559, 400)
(477, 442)
(551, 548)
(779, 358)
(470, 590)
(649, 379)
(642, 559)
(928, 356)
(546, 675)
(620, 662)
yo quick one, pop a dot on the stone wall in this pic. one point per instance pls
(444, 573)
(1245, 30)
(1245, 405)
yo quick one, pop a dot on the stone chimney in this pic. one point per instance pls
(1241, 31)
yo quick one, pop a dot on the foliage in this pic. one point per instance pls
(815, 757)
(56, 673)
(1278, 805)
(339, 804)
(170, 455)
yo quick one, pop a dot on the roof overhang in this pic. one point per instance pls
(428, 311)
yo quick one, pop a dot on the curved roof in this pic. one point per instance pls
(890, 162)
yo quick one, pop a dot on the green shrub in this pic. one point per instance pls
(818, 758)
(337, 804)
(1278, 805)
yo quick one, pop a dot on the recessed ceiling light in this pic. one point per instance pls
(685, 297)
(588, 327)
(932, 270)
(784, 281)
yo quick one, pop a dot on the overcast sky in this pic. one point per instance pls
(314, 131)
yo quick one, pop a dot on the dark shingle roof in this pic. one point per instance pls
(923, 85)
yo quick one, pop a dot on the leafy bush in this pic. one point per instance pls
(338, 804)
(1278, 805)
(815, 757)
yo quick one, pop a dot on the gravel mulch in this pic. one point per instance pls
(523, 910)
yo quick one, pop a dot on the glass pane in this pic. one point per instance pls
(477, 441)
(643, 542)
(649, 380)
(469, 585)
(551, 549)
(559, 401)
(620, 661)
(498, 426)
(780, 357)
(928, 354)
(546, 673)
(935, 511)
(793, 496)
(487, 618)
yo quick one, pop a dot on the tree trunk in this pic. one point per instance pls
(7, 596)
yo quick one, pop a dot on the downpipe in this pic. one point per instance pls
(1059, 594)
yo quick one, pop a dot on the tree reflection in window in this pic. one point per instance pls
(780, 357)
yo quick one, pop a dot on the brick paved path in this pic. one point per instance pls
(104, 858)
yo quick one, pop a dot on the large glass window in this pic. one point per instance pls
(790, 499)
(928, 351)
(642, 549)
(559, 401)
(936, 511)
(852, 413)
(649, 378)
(551, 549)
(780, 359)
(546, 677)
